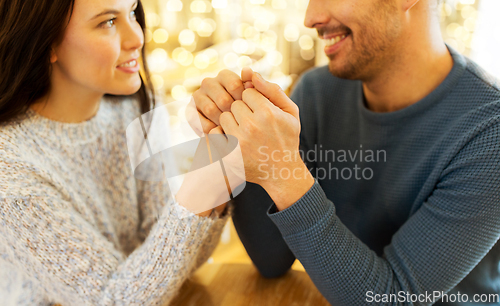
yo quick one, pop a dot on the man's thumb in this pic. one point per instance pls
(275, 94)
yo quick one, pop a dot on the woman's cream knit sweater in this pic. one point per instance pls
(76, 228)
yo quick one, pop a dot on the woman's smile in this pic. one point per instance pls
(131, 66)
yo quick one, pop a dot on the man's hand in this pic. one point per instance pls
(266, 123)
(216, 95)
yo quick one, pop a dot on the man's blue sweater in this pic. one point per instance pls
(406, 202)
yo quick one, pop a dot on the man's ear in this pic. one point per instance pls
(408, 4)
(53, 56)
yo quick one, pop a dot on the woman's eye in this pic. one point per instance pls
(108, 23)
(111, 22)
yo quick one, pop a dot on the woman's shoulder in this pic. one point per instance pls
(20, 173)
(31, 147)
(12, 138)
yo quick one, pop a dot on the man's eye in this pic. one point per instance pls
(108, 23)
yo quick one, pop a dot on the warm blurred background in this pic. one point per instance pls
(188, 40)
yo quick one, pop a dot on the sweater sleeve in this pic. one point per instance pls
(260, 236)
(152, 196)
(76, 264)
(213, 238)
(433, 251)
(53, 234)
(46, 236)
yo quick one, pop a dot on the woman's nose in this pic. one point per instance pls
(133, 37)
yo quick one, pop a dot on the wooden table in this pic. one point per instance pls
(242, 285)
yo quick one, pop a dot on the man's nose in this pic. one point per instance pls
(316, 14)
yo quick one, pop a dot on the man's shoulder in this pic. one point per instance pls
(485, 80)
(477, 86)
(478, 94)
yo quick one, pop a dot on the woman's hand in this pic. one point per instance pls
(217, 171)
(216, 95)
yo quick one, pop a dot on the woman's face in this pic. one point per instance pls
(100, 49)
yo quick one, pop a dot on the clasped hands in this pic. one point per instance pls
(265, 122)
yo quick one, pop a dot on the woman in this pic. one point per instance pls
(76, 228)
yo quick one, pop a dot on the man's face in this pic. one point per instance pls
(360, 35)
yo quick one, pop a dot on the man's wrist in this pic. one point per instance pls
(286, 190)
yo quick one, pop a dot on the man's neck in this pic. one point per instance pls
(408, 79)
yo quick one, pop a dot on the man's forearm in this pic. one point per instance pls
(339, 264)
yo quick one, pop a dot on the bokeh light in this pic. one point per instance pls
(219, 4)
(160, 36)
(186, 37)
(174, 5)
(231, 60)
(157, 81)
(291, 32)
(204, 36)
(179, 92)
(306, 42)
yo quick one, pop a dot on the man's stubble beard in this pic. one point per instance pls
(370, 49)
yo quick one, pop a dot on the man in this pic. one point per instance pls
(397, 200)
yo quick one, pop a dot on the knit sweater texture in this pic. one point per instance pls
(422, 211)
(76, 227)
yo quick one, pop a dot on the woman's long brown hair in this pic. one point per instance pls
(28, 30)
